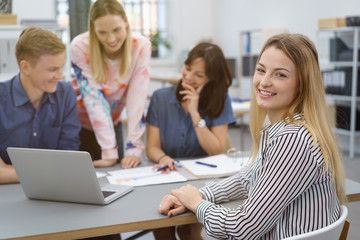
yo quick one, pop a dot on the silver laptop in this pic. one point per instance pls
(61, 175)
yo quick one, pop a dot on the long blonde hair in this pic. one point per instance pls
(310, 103)
(102, 8)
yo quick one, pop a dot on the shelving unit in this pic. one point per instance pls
(11, 33)
(351, 36)
(249, 49)
(251, 43)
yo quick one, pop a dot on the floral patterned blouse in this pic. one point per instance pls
(100, 104)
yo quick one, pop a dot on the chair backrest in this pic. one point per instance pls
(331, 232)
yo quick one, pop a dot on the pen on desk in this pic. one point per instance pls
(164, 167)
(206, 164)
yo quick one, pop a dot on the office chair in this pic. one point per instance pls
(335, 231)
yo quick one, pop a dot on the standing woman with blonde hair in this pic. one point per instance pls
(296, 182)
(112, 72)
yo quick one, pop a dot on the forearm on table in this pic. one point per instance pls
(8, 174)
(208, 141)
(211, 140)
(154, 150)
(154, 153)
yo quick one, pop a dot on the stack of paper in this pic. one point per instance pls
(142, 176)
(225, 166)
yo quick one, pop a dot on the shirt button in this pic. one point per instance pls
(34, 134)
(182, 134)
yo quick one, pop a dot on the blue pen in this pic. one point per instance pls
(206, 164)
(164, 167)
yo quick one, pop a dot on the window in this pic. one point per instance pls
(147, 17)
(62, 12)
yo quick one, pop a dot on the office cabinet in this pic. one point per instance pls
(339, 60)
(251, 43)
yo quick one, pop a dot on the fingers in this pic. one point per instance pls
(187, 95)
(166, 203)
(187, 86)
(104, 162)
(189, 196)
(190, 88)
(176, 211)
(198, 90)
(130, 162)
(166, 161)
(171, 206)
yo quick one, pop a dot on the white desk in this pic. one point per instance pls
(21, 218)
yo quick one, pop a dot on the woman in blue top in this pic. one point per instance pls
(191, 119)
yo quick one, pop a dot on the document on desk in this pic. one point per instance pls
(142, 176)
(214, 166)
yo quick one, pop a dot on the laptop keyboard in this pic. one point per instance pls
(107, 193)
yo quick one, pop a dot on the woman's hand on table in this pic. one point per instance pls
(166, 161)
(171, 206)
(188, 196)
(130, 162)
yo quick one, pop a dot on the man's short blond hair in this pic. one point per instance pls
(35, 42)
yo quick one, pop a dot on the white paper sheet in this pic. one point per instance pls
(142, 176)
(226, 166)
(100, 174)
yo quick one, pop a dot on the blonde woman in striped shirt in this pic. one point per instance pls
(296, 182)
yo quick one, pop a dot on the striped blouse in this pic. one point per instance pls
(287, 190)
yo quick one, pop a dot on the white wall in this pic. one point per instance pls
(29, 9)
(193, 21)
(222, 20)
(26, 9)
(190, 21)
(301, 16)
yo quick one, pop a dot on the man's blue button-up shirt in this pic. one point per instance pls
(53, 125)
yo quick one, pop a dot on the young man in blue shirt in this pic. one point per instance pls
(37, 110)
